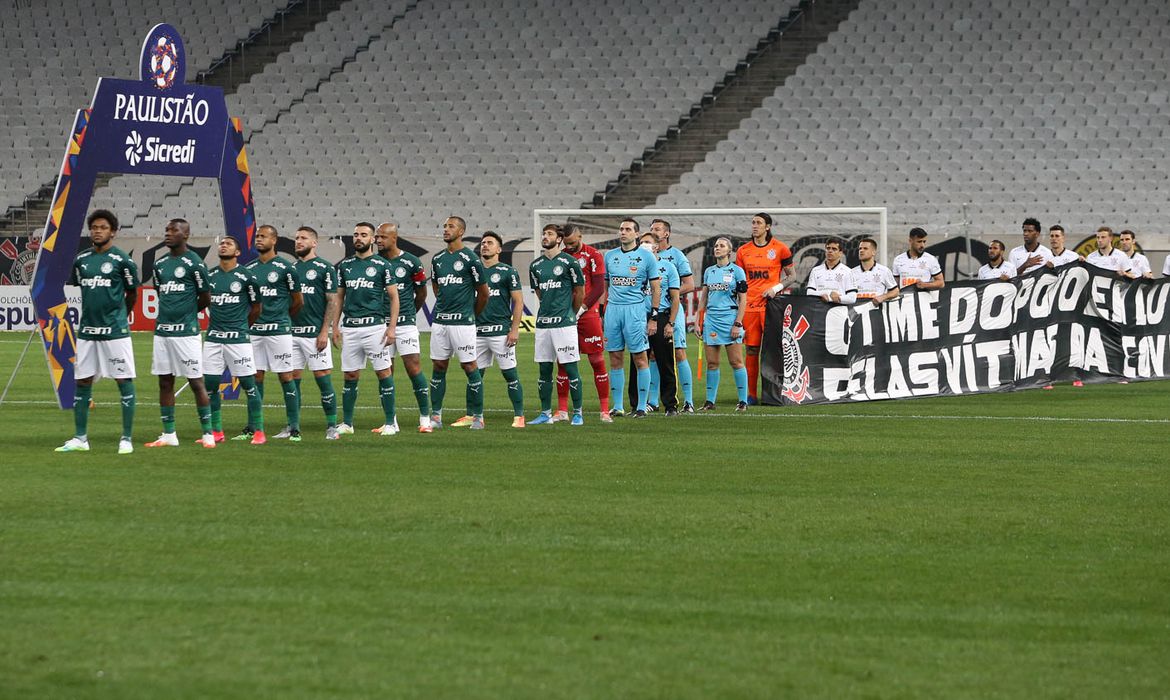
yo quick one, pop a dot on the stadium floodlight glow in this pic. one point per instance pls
(803, 229)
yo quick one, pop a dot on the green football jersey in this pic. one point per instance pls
(318, 281)
(278, 280)
(232, 295)
(409, 276)
(364, 281)
(496, 318)
(178, 279)
(554, 279)
(104, 279)
(457, 274)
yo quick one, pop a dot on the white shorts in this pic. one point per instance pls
(113, 358)
(494, 348)
(305, 354)
(181, 357)
(406, 341)
(359, 345)
(273, 353)
(237, 357)
(557, 345)
(448, 341)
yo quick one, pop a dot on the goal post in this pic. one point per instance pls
(803, 230)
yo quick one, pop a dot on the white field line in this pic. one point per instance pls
(727, 413)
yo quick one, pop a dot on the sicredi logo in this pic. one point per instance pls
(153, 150)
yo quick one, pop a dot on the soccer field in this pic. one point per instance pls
(1001, 545)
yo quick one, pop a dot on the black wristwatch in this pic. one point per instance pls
(737, 324)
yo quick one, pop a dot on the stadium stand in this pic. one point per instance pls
(418, 117)
(924, 105)
(47, 81)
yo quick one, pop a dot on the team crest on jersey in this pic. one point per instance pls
(771, 255)
(558, 270)
(107, 267)
(311, 275)
(180, 271)
(400, 272)
(236, 287)
(273, 276)
(795, 372)
(495, 277)
(371, 271)
(458, 265)
(633, 269)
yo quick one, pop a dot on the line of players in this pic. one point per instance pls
(273, 315)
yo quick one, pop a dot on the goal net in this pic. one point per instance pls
(694, 231)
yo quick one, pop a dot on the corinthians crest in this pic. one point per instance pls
(795, 371)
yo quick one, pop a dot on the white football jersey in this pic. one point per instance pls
(873, 282)
(910, 270)
(987, 272)
(1020, 255)
(1116, 261)
(824, 279)
(1066, 256)
(1139, 264)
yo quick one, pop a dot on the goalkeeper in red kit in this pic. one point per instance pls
(590, 338)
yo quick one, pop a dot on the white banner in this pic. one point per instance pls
(16, 309)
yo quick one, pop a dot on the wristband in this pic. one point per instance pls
(737, 324)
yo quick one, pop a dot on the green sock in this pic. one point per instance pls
(168, 418)
(328, 399)
(386, 393)
(421, 393)
(211, 381)
(126, 389)
(292, 404)
(474, 393)
(255, 405)
(574, 375)
(515, 391)
(544, 386)
(438, 390)
(204, 417)
(81, 397)
(298, 383)
(260, 388)
(348, 400)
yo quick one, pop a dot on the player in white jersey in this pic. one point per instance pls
(1030, 256)
(874, 281)
(1060, 254)
(832, 280)
(997, 268)
(1139, 263)
(1106, 256)
(916, 266)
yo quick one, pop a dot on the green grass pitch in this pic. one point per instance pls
(986, 546)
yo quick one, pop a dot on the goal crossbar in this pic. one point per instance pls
(880, 212)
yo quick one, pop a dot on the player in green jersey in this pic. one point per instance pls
(411, 280)
(497, 327)
(235, 305)
(557, 279)
(109, 286)
(280, 296)
(310, 327)
(461, 293)
(366, 332)
(180, 279)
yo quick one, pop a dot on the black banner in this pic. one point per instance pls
(1074, 322)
